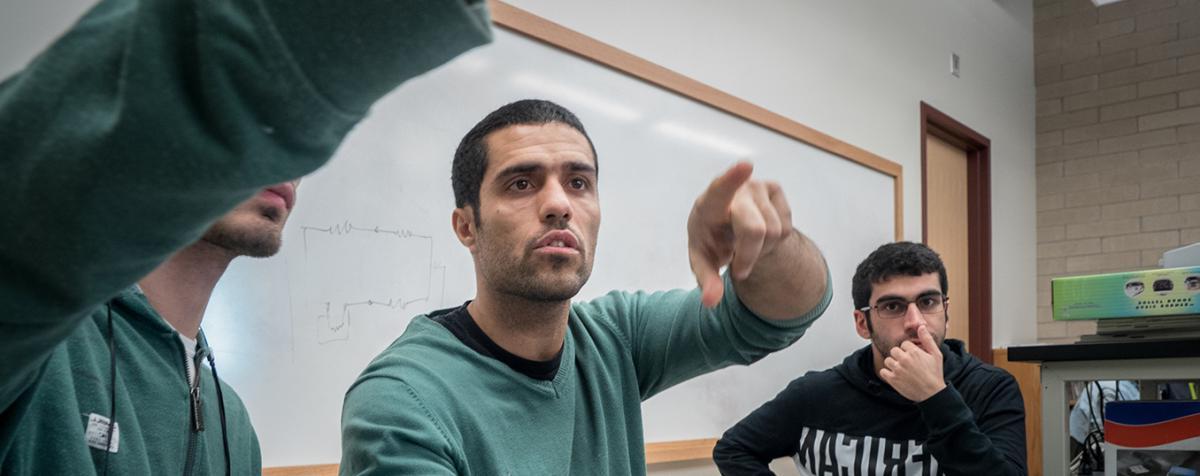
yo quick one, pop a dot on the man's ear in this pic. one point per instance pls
(860, 324)
(463, 221)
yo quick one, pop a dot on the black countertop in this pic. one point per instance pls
(1135, 349)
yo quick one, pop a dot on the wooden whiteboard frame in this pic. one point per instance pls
(552, 34)
(562, 38)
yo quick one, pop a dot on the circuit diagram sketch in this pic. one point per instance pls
(356, 272)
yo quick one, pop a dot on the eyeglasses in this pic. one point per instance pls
(892, 308)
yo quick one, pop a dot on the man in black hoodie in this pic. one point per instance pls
(910, 403)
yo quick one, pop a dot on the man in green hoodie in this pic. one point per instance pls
(122, 143)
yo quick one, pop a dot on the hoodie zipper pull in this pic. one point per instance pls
(197, 410)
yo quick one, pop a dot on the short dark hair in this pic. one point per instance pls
(470, 160)
(902, 258)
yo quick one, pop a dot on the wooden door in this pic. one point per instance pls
(946, 215)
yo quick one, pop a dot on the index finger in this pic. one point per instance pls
(719, 194)
(927, 341)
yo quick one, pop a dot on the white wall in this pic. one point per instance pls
(858, 70)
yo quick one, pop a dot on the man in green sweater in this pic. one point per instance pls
(122, 143)
(520, 380)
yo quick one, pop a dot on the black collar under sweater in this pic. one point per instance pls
(460, 323)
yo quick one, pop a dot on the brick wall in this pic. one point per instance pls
(1118, 139)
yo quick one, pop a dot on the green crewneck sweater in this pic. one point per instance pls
(119, 145)
(430, 405)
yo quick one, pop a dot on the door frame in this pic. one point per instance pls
(979, 219)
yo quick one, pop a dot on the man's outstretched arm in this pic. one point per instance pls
(149, 119)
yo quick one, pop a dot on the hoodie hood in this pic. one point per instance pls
(859, 370)
(133, 304)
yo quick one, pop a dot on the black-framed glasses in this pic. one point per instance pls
(892, 308)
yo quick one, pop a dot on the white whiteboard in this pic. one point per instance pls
(370, 244)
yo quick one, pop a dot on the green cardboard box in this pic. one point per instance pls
(1156, 292)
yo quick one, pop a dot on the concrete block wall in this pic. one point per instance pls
(1118, 139)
